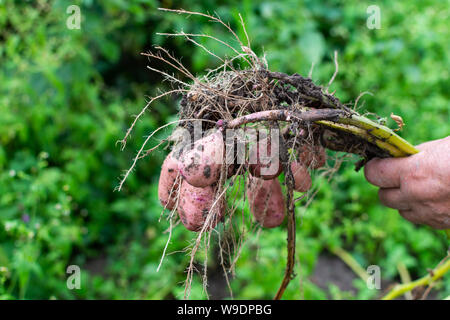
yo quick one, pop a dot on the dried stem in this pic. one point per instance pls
(336, 65)
(286, 115)
(290, 207)
(123, 142)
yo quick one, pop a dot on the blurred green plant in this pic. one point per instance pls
(67, 96)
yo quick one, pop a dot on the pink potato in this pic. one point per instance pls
(195, 205)
(266, 201)
(201, 165)
(301, 177)
(313, 156)
(265, 165)
(168, 186)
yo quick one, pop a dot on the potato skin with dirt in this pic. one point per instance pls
(266, 201)
(201, 165)
(168, 186)
(301, 175)
(264, 165)
(313, 156)
(195, 204)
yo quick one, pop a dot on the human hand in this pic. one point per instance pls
(417, 186)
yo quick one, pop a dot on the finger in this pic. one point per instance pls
(394, 198)
(385, 173)
(411, 216)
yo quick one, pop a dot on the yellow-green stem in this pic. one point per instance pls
(436, 274)
(351, 262)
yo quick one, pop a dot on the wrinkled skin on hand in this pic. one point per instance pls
(417, 186)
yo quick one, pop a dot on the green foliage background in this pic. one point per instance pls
(67, 96)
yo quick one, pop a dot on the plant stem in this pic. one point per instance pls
(286, 115)
(291, 225)
(337, 119)
(351, 262)
(405, 277)
(436, 274)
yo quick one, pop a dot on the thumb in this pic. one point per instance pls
(385, 173)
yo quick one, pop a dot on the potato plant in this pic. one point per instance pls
(303, 120)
